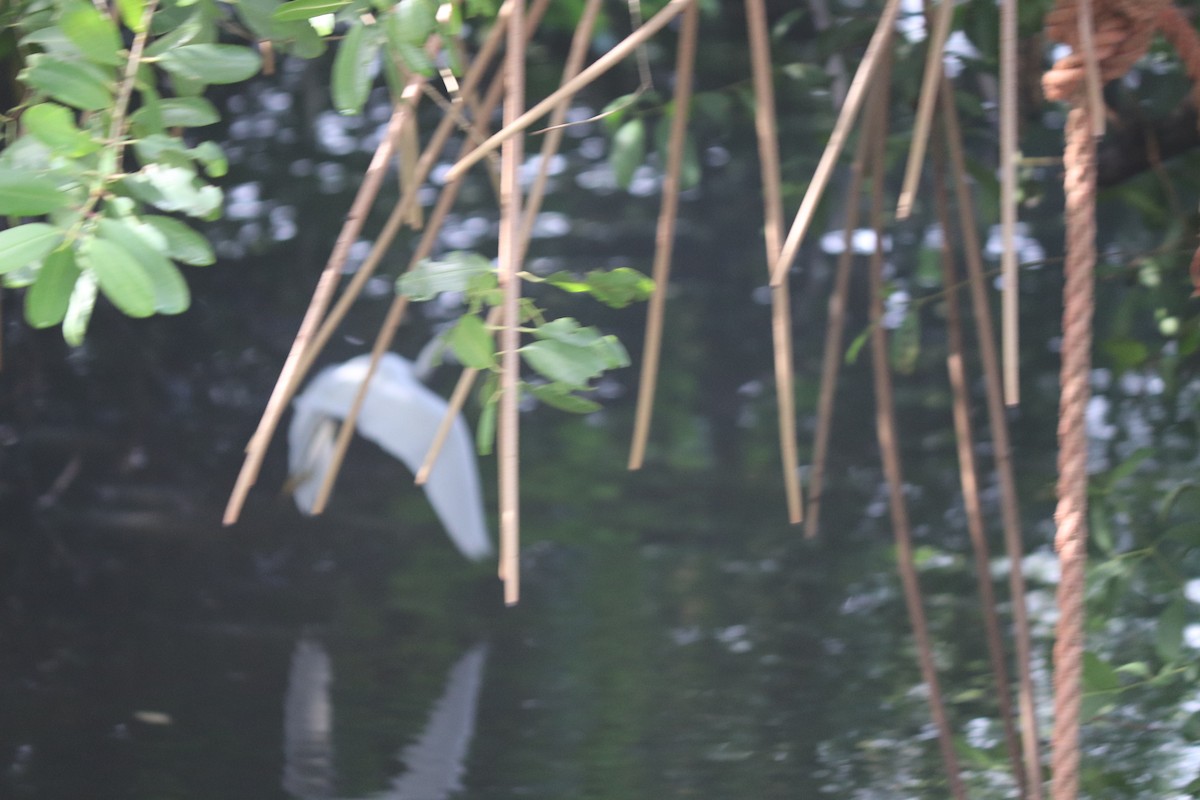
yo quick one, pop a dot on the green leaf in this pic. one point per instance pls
(905, 344)
(628, 151)
(1168, 633)
(559, 396)
(94, 34)
(306, 9)
(857, 345)
(211, 63)
(174, 188)
(619, 287)
(411, 21)
(23, 194)
(1095, 703)
(352, 76)
(485, 431)
(182, 34)
(472, 342)
(456, 271)
(572, 355)
(79, 309)
(119, 275)
(171, 294)
(46, 301)
(690, 172)
(181, 242)
(1098, 676)
(55, 125)
(614, 113)
(132, 15)
(73, 84)
(186, 112)
(25, 244)
(213, 158)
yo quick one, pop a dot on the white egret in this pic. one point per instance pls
(401, 415)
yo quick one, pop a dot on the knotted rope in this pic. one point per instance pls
(1122, 33)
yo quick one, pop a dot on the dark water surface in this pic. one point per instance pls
(676, 638)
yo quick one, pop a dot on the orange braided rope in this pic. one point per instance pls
(1122, 35)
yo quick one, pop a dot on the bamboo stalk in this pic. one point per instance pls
(964, 439)
(508, 419)
(925, 106)
(781, 315)
(837, 140)
(998, 426)
(685, 62)
(1008, 201)
(885, 425)
(598, 67)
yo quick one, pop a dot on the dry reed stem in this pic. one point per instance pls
(1010, 304)
(346, 432)
(1001, 446)
(781, 313)
(591, 73)
(508, 418)
(295, 366)
(885, 428)
(685, 62)
(409, 152)
(837, 140)
(835, 328)
(964, 439)
(925, 106)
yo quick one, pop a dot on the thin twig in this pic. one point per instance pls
(508, 418)
(685, 62)
(925, 106)
(837, 140)
(550, 144)
(1011, 517)
(781, 314)
(598, 67)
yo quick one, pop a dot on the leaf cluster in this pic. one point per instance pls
(565, 356)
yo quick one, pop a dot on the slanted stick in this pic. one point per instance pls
(964, 439)
(598, 67)
(925, 106)
(835, 328)
(837, 140)
(781, 314)
(295, 366)
(1008, 201)
(685, 62)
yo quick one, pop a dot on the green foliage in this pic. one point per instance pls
(565, 355)
(96, 144)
